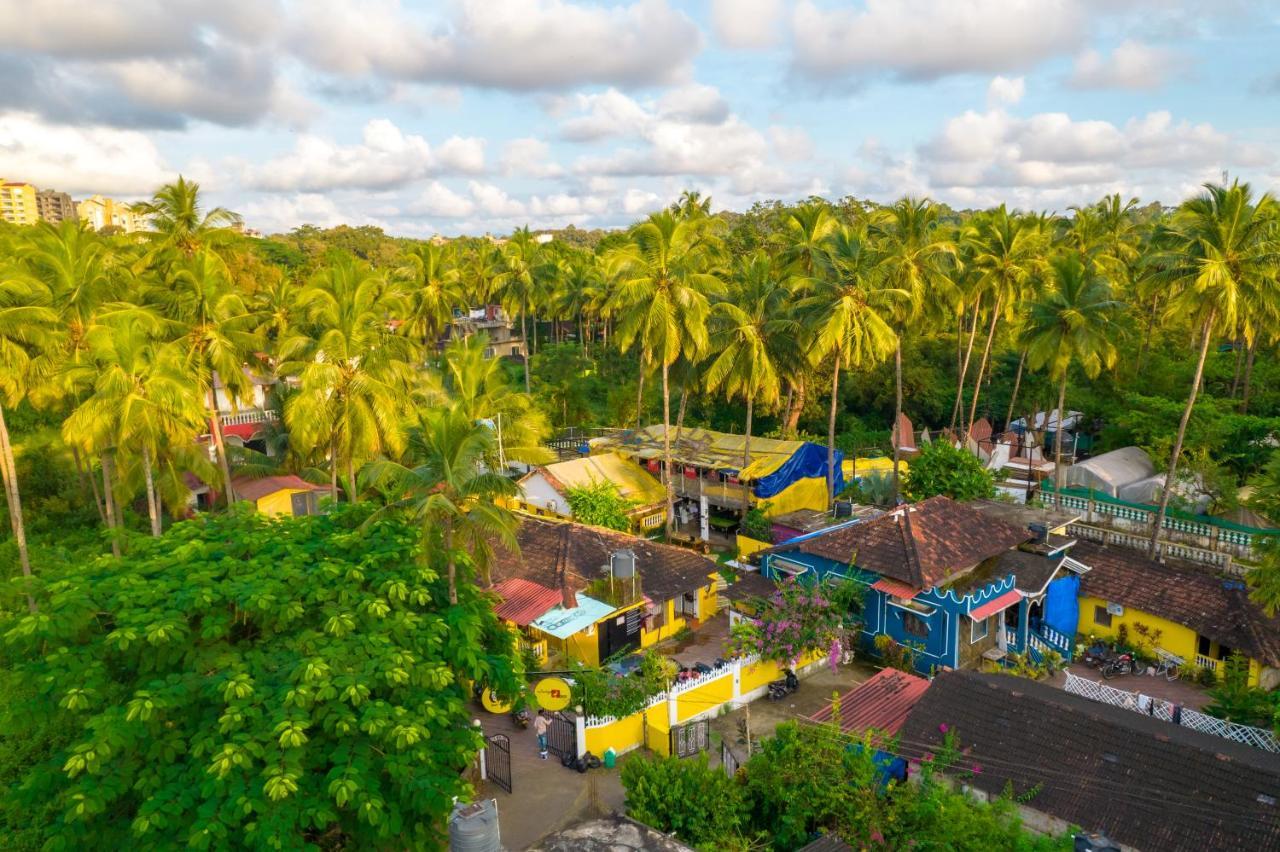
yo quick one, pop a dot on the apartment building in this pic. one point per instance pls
(18, 203)
(55, 207)
(101, 212)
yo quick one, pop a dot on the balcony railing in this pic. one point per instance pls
(252, 415)
(1207, 663)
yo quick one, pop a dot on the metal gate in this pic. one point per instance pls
(728, 760)
(689, 739)
(562, 736)
(497, 760)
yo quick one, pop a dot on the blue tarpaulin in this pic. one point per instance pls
(1062, 604)
(808, 461)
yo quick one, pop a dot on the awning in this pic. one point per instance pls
(997, 604)
(895, 588)
(523, 601)
(563, 623)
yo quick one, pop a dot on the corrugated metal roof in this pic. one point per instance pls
(523, 601)
(893, 587)
(991, 607)
(882, 703)
(632, 481)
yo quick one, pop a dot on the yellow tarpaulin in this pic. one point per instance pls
(704, 448)
(633, 481)
(882, 464)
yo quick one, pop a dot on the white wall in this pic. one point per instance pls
(538, 492)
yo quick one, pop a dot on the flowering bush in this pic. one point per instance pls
(797, 619)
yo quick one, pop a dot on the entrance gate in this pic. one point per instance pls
(497, 760)
(562, 736)
(691, 738)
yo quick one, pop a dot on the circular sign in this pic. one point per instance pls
(493, 703)
(552, 693)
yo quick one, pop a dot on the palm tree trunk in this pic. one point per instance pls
(795, 407)
(351, 479)
(9, 470)
(451, 563)
(640, 396)
(97, 495)
(831, 432)
(524, 336)
(897, 418)
(666, 448)
(110, 500)
(1205, 334)
(1248, 374)
(982, 369)
(746, 445)
(1235, 377)
(964, 366)
(1017, 383)
(333, 470)
(153, 510)
(1057, 443)
(221, 449)
(1146, 335)
(684, 401)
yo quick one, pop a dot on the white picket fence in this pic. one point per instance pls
(1158, 708)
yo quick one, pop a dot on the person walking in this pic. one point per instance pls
(540, 726)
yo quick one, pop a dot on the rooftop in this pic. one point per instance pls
(704, 448)
(632, 481)
(255, 489)
(882, 703)
(924, 544)
(1145, 783)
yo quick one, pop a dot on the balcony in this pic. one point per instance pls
(247, 416)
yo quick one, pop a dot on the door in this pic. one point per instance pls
(621, 633)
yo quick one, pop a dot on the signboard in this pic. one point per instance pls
(493, 703)
(552, 693)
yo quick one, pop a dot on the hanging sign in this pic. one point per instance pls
(552, 693)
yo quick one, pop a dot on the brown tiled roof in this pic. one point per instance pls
(924, 544)
(1143, 782)
(550, 548)
(1213, 607)
(749, 585)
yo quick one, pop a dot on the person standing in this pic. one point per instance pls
(540, 727)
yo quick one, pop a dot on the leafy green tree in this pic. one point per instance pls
(600, 505)
(1220, 253)
(241, 682)
(520, 281)
(942, 468)
(431, 281)
(1073, 322)
(687, 798)
(179, 222)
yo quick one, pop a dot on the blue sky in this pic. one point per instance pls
(473, 116)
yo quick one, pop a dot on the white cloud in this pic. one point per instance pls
(278, 213)
(1132, 65)
(928, 39)
(385, 158)
(80, 160)
(494, 201)
(747, 24)
(529, 157)
(438, 200)
(521, 45)
(1005, 91)
(695, 102)
(640, 201)
(604, 115)
(791, 143)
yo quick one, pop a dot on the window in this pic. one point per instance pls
(914, 625)
(1101, 617)
(979, 630)
(1202, 646)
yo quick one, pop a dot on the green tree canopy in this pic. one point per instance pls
(944, 469)
(246, 682)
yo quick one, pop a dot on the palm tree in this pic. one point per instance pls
(691, 204)
(662, 303)
(353, 370)
(433, 286)
(1004, 253)
(215, 330)
(520, 280)
(140, 400)
(850, 314)
(1220, 253)
(26, 326)
(179, 221)
(1073, 322)
(752, 333)
(447, 484)
(802, 245)
(915, 257)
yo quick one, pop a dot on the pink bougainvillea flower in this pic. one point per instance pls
(943, 727)
(977, 768)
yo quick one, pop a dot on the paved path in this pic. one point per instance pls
(1178, 691)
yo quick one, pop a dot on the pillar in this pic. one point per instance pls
(580, 730)
(484, 769)
(704, 518)
(672, 715)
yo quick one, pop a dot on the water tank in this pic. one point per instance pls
(474, 827)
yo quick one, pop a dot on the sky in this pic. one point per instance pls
(479, 116)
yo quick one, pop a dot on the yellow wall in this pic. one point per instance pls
(670, 626)
(708, 696)
(1174, 638)
(809, 493)
(18, 204)
(709, 598)
(759, 674)
(584, 648)
(279, 502)
(623, 735)
(748, 546)
(657, 733)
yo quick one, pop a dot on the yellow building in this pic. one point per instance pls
(545, 489)
(18, 203)
(617, 593)
(101, 212)
(279, 495)
(1181, 610)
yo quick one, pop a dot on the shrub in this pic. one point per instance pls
(600, 505)
(700, 805)
(943, 469)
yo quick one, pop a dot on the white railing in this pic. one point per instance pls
(1167, 711)
(1207, 663)
(1221, 560)
(706, 677)
(252, 415)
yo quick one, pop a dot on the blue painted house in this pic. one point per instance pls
(955, 583)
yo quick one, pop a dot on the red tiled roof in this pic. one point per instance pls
(924, 544)
(995, 605)
(893, 587)
(523, 601)
(882, 702)
(256, 489)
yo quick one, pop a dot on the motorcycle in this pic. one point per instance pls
(1121, 664)
(1096, 655)
(780, 689)
(521, 717)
